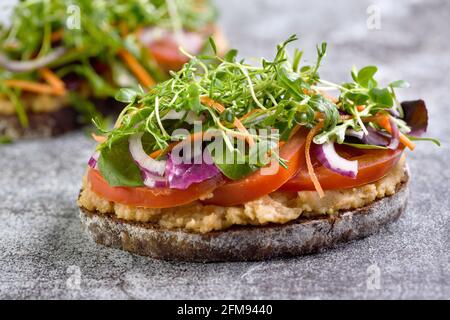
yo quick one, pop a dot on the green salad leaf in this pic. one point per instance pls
(118, 167)
(231, 163)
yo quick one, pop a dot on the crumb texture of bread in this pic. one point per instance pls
(278, 207)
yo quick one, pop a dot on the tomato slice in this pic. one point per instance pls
(167, 55)
(257, 185)
(372, 166)
(166, 50)
(151, 197)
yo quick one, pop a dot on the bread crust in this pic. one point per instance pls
(246, 243)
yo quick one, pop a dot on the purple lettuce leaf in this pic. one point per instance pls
(415, 116)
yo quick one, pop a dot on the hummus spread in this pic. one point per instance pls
(36, 103)
(278, 207)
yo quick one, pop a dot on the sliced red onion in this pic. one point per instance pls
(376, 138)
(394, 112)
(143, 160)
(30, 65)
(329, 158)
(182, 175)
(356, 134)
(152, 181)
(93, 160)
(395, 135)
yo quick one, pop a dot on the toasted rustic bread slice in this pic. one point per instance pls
(53, 123)
(242, 243)
(43, 124)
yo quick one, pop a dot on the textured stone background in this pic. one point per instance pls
(43, 250)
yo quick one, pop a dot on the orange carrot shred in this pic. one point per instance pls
(157, 153)
(383, 121)
(52, 79)
(34, 87)
(237, 123)
(329, 97)
(309, 165)
(98, 138)
(248, 114)
(192, 137)
(57, 35)
(138, 70)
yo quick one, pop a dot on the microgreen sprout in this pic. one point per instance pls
(276, 96)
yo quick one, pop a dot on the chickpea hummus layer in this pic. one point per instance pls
(278, 207)
(37, 103)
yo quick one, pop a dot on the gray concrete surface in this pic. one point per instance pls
(45, 254)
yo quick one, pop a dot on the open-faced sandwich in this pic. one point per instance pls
(62, 59)
(229, 161)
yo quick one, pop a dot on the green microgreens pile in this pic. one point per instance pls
(278, 94)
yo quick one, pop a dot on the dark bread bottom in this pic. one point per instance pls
(45, 124)
(50, 124)
(246, 243)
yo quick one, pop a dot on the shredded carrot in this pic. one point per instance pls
(157, 153)
(374, 118)
(57, 35)
(248, 114)
(34, 87)
(360, 108)
(212, 104)
(329, 97)
(311, 172)
(237, 123)
(52, 79)
(97, 138)
(319, 116)
(383, 121)
(192, 137)
(54, 86)
(138, 70)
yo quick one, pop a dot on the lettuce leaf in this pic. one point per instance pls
(118, 167)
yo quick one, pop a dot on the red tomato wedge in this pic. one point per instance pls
(167, 55)
(151, 197)
(166, 49)
(372, 166)
(257, 185)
